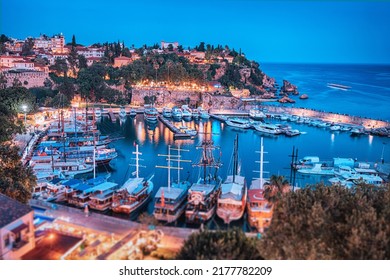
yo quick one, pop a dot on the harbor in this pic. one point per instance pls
(152, 138)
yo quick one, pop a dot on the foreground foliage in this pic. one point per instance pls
(16, 180)
(220, 245)
(330, 223)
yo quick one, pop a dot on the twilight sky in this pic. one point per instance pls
(267, 31)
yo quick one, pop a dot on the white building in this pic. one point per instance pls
(16, 229)
(165, 45)
(90, 52)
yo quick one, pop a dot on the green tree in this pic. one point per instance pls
(16, 180)
(3, 81)
(219, 245)
(277, 186)
(82, 62)
(27, 48)
(60, 67)
(321, 222)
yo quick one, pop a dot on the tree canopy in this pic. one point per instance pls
(321, 222)
(220, 245)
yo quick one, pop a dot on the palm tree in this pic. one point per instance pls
(278, 185)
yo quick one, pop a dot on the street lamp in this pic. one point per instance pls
(24, 107)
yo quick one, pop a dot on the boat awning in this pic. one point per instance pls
(232, 190)
(72, 182)
(19, 228)
(104, 187)
(172, 193)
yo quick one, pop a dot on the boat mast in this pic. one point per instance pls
(178, 159)
(235, 159)
(261, 162)
(136, 153)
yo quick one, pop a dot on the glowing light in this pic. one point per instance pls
(370, 139)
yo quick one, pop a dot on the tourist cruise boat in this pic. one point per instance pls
(187, 113)
(133, 112)
(167, 112)
(177, 113)
(317, 169)
(170, 202)
(101, 199)
(238, 123)
(203, 113)
(256, 114)
(68, 168)
(268, 128)
(232, 198)
(203, 195)
(122, 113)
(258, 208)
(79, 195)
(150, 114)
(135, 192)
(98, 113)
(195, 114)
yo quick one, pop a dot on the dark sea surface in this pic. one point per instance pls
(369, 95)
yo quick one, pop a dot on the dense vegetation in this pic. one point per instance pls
(219, 245)
(317, 222)
(16, 180)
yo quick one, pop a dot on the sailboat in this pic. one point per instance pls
(203, 195)
(232, 199)
(259, 209)
(134, 193)
(170, 201)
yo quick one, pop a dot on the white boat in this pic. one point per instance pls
(335, 127)
(356, 132)
(238, 123)
(232, 199)
(177, 113)
(284, 117)
(187, 113)
(203, 113)
(134, 193)
(345, 128)
(292, 132)
(317, 169)
(122, 113)
(167, 112)
(68, 168)
(98, 112)
(133, 112)
(150, 114)
(268, 128)
(195, 114)
(256, 114)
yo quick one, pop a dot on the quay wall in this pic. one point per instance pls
(328, 116)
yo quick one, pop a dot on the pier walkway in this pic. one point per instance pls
(177, 133)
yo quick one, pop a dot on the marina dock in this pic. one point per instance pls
(177, 133)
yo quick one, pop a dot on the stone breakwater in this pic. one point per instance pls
(328, 116)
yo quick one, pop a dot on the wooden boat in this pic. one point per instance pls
(135, 192)
(232, 199)
(170, 202)
(203, 195)
(258, 208)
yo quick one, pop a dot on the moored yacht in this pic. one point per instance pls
(177, 113)
(238, 123)
(268, 128)
(150, 114)
(167, 112)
